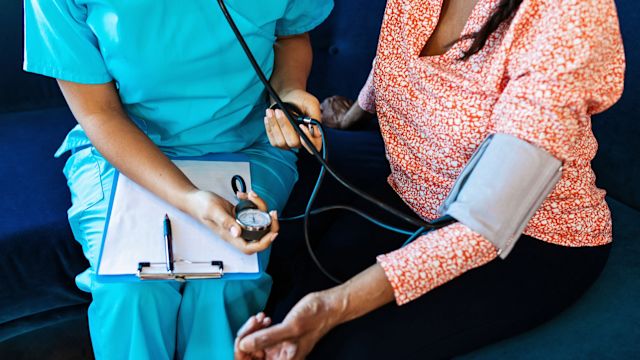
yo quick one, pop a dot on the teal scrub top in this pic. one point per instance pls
(180, 72)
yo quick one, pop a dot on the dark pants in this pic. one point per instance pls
(493, 302)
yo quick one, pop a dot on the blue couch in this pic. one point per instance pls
(43, 314)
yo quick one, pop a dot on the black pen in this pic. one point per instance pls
(168, 243)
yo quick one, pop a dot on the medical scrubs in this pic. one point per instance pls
(184, 80)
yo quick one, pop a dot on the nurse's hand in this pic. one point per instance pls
(281, 133)
(218, 214)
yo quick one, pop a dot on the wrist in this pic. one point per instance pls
(356, 114)
(360, 295)
(337, 303)
(285, 91)
(193, 202)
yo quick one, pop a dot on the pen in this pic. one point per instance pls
(168, 243)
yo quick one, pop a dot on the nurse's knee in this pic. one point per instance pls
(233, 291)
(137, 294)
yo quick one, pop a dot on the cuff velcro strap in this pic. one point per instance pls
(501, 188)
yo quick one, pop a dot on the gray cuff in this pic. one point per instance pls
(501, 188)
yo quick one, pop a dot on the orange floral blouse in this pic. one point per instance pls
(540, 77)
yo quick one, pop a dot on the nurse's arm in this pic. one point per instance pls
(98, 109)
(292, 64)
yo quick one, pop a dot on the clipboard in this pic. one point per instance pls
(132, 247)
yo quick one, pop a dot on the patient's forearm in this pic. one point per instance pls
(360, 295)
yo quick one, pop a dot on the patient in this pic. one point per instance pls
(447, 75)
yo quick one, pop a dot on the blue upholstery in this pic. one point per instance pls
(617, 164)
(38, 257)
(20, 90)
(344, 47)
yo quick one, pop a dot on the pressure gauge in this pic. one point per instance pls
(254, 222)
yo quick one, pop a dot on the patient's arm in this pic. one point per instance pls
(316, 314)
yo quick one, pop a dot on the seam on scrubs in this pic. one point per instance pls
(86, 162)
(261, 30)
(284, 30)
(66, 75)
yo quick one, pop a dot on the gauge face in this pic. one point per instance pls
(254, 218)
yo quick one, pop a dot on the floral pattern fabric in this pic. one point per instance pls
(539, 77)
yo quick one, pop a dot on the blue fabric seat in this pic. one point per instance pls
(603, 324)
(37, 259)
(43, 314)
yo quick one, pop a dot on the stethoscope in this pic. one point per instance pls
(295, 117)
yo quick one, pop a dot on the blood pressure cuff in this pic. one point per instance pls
(500, 189)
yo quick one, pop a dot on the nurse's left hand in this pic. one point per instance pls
(282, 134)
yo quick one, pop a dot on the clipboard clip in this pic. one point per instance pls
(199, 270)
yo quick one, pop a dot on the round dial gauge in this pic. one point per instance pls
(254, 223)
(254, 218)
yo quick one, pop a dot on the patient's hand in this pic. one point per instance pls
(333, 110)
(255, 323)
(309, 320)
(339, 112)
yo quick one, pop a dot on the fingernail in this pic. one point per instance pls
(291, 351)
(235, 232)
(273, 213)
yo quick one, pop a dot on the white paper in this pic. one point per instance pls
(136, 234)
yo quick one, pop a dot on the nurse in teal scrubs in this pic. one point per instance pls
(147, 79)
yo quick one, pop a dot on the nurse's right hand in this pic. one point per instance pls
(218, 214)
(282, 134)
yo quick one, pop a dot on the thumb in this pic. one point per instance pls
(311, 107)
(226, 222)
(263, 339)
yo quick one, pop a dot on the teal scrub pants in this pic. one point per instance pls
(161, 320)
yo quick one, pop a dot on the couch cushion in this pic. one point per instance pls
(603, 324)
(617, 165)
(38, 256)
(344, 47)
(65, 339)
(18, 89)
